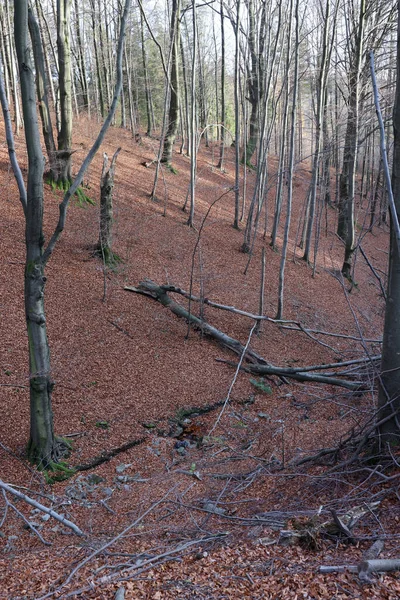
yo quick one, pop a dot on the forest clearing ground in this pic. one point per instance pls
(124, 371)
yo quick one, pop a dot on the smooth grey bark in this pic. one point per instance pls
(185, 125)
(149, 130)
(291, 163)
(256, 42)
(83, 78)
(389, 388)
(64, 175)
(347, 182)
(41, 90)
(319, 117)
(43, 447)
(237, 118)
(174, 85)
(41, 20)
(11, 64)
(193, 121)
(220, 164)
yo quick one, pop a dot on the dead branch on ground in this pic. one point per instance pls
(255, 363)
(9, 489)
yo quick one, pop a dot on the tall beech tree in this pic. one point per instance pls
(389, 392)
(65, 90)
(174, 99)
(44, 448)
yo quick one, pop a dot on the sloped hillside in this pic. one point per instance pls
(197, 471)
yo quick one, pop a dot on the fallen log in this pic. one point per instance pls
(298, 375)
(256, 364)
(159, 293)
(364, 568)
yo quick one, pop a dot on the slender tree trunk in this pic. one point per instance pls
(41, 89)
(346, 224)
(389, 397)
(321, 94)
(185, 88)
(13, 73)
(193, 121)
(291, 163)
(220, 164)
(255, 87)
(237, 119)
(64, 175)
(97, 60)
(173, 115)
(81, 58)
(149, 130)
(42, 447)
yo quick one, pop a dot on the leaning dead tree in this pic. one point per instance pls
(253, 362)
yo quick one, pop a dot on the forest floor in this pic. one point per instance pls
(209, 484)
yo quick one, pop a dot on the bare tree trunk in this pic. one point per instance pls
(173, 116)
(13, 70)
(43, 448)
(291, 162)
(321, 95)
(100, 88)
(64, 174)
(389, 398)
(106, 209)
(193, 121)
(81, 58)
(255, 80)
(149, 130)
(346, 225)
(220, 164)
(237, 119)
(41, 89)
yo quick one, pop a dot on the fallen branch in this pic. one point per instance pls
(7, 488)
(106, 456)
(106, 545)
(364, 568)
(282, 323)
(28, 524)
(379, 565)
(159, 293)
(258, 364)
(298, 374)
